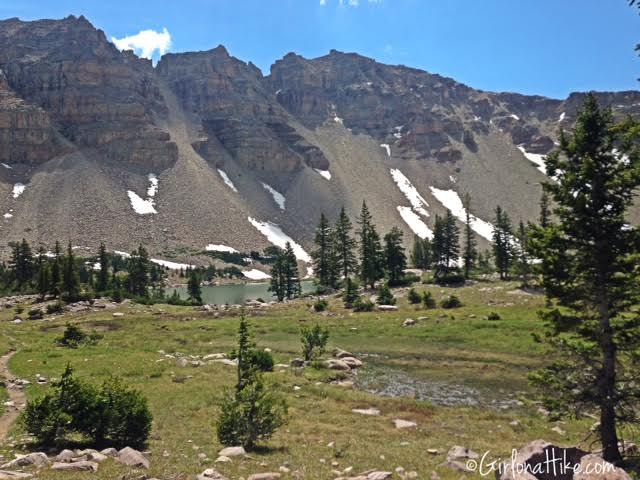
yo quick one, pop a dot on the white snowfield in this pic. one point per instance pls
(277, 196)
(563, 115)
(171, 265)
(6, 166)
(387, 148)
(255, 274)
(415, 223)
(325, 173)
(416, 200)
(451, 200)
(227, 180)
(220, 248)
(8, 215)
(145, 206)
(337, 119)
(18, 189)
(140, 205)
(122, 254)
(536, 158)
(277, 237)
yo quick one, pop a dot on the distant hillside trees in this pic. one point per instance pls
(421, 253)
(470, 252)
(395, 260)
(503, 242)
(589, 255)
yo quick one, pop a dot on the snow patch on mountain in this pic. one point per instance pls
(277, 237)
(451, 200)
(325, 173)
(255, 274)
(6, 166)
(171, 265)
(140, 205)
(277, 196)
(18, 189)
(563, 115)
(227, 180)
(153, 188)
(220, 248)
(387, 148)
(8, 215)
(416, 200)
(415, 223)
(536, 158)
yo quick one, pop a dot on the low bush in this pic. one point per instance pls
(385, 297)
(363, 304)
(451, 302)
(413, 297)
(112, 414)
(428, 302)
(320, 305)
(450, 279)
(350, 295)
(314, 342)
(406, 280)
(493, 316)
(57, 307)
(260, 360)
(74, 337)
(35, 314)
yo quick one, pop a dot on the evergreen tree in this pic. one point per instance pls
(138, 268)
(589, 267)
(544, 209)
(22, 264)
(285, 279)
(56, 271)
(278, 280)
(446, 244)
(193, 287)
(523, 262)
(421, 253)
(44, 274)
(371, 256)
(470, 246)
(70, 278)
(350, 294)
(502, 242)
(103, 275)
(322, 258)
(344, 246)
(394, 256)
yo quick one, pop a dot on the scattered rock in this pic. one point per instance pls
(265, 476)
(457, 457)
(378, 475)
(334, 364)
(339, 353)
(232, 452)
(96, 457)
(558, 430)
(352, 362)
(367, 411)
(297, 363)
(132, 458)
(387, 308)
(409, 322)
(81, 466)
(4, 475)
(118, 314)
(37, 459)
(214, 356)
(109, 452)
(223, 459)
(399, 423)
(211, 474)
(433, 451)
(65, 456)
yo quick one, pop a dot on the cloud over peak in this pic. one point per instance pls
(145, 43)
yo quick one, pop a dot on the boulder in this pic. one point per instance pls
(96, 457)
(65, 456)
(81, 466)
(458, 456)
(232, 452)
(378, 475)
(4, 475)
(297, 363)
(387, 308)
(339, 353)
(36, 459)
(223, 459)
(211, 474)
(399, 423)
(214, 356)
(372, 412)
(353, 362)
(264, 476)
(109, 452)
(132, 458)
(335, 364)
(409, 322)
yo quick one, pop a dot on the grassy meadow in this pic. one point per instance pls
(457, 351)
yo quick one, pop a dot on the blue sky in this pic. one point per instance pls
(547, 47)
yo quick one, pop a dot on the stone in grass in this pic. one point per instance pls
(109, 452)
(232, 452)
(223, 459)
(211, 474)
(14, 475)
(37, 459)
(352, 362)
(265, 476)
(399, 423)
(333, 364)
(81, 466)
(374, 412)
(132, 458)
(65, 456)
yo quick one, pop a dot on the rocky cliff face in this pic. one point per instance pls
(82, 125)
(97, 96)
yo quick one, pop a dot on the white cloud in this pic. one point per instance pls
(145, 43)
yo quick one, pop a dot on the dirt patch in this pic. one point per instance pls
(17, 398)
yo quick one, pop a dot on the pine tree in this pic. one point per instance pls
(470, 246)
(344, 245)
(278, 280)
(544, 209)
(589, 267)
(322, 258)
(245, 345)
(44, 274)
(502, 242)
(523, 261)
(350, 294)
(56, 271)
(138, 268)
(285, 279)
(22, 264)
(421, 253)
(70, 278)
(394, 256)
(371, 257)
(193, 287)
(446, 244)
(103, 275)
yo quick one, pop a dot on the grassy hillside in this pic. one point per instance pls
(468, 375)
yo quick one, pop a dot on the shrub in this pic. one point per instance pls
(314, 342)
(451, 302)
(73, 337)
(35, 314)
(406, 280)
(350, 295)
(57, 307)
(113, 414)
(428, 301)
(413, 297)
(19, 309)
(385, 297)
(493, 316)
(450, 279)
(321, 305)
(363, 304)
(250, 415)
(260, 360)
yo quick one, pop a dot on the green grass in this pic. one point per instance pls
(457, 346)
